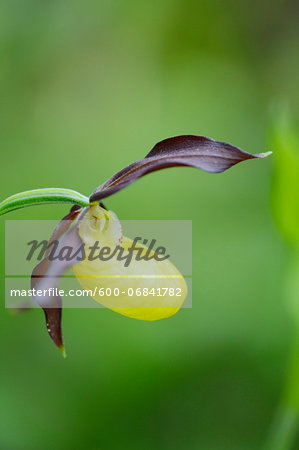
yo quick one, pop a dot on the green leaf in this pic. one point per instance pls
(42, 197)
(285, 189)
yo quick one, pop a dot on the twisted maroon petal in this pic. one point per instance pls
(46, 274)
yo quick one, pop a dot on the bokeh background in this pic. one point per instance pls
(86, 88)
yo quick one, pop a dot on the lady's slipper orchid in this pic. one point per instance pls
(89, 222)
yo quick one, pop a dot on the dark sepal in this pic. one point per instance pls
(193, 151)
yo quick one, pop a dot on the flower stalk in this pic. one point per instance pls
(42, 197)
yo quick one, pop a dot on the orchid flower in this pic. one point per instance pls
(89, 221)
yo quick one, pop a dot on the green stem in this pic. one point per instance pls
(285, 424)
(42, 197)
(283, 429)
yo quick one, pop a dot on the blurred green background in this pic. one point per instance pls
(88, 87)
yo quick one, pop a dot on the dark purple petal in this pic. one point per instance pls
(46, 274)
(193, 151)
